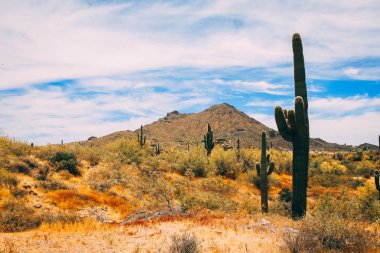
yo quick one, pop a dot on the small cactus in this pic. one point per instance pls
(238, 150)
(377, 182)
(141, 138)
(209, 140)
(264, 170)
(158, 149)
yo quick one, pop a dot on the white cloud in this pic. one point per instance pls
(332, 106)
(260, 86)
(54, 40)
(43, 116)
(351, 71)
(352, 130)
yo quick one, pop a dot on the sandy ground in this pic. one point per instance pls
(227, 234)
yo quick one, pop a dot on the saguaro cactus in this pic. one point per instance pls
(264, 170)
(209, 140)
(377, 182)
(238, 150)
(293, 126)
(141, 138)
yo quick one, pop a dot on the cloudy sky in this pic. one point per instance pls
(72, 69)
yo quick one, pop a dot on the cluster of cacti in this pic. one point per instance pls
(238, 150)
(264, 170)
(141, 138)
(377, 182)
(209, 140)
(293, 126)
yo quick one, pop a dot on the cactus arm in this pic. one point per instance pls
(258, 169)
(299, 69)
(292, 120)
(282, 126)
(271, 168)
(377, 180)
(300, 116)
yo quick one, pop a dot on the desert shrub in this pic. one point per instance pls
(329, 180)
(7, 179)
(66, 161)
(215, 184)
(364, 168)
(59, 218)
(16, 217)
(19, 167)
(209, 201)
(250, 205)
(15, 148)
(346, 206)
(322, 233)
(224, 163)
(101, 179)
(127, 151)
(333, 168)
(18, 193)
(285, 195)
(248, 160)
(53, 185)
(184, 243)
(195, 161)
(369, 208)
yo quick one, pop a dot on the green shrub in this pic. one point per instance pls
(66, 161)
(285, 195)
(16, 217)
(224, 163)
(195, 161)
(7, 179)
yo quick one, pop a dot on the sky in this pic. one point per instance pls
(74, 69)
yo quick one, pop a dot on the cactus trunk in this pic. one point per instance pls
(209, 140)
(264, 169)
(293, 126)
(263, 174)
(377, 184)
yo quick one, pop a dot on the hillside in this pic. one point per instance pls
(228, 124)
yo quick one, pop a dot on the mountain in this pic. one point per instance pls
(227, 122)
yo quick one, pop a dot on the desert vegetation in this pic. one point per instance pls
(134, 195)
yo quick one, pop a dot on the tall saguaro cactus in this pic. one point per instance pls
(377, 182)
(141, 138)
(293, 126)
(209, 140)
(264, 170)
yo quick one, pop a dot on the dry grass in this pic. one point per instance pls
(213, 233)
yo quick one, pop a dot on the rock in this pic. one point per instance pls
(291, 231)
(37, 205)
(264, 222)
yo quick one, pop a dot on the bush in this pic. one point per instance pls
(19, 167)
(321, 233)
(194, 161)
(285, 195)
(184, 243)
(53, 185)
(66, 161)
(101, 179)
(127, 151)
(7, 179)
(248, 160)
(16, 217)
(224, 163)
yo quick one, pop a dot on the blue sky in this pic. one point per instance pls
(73, 69)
